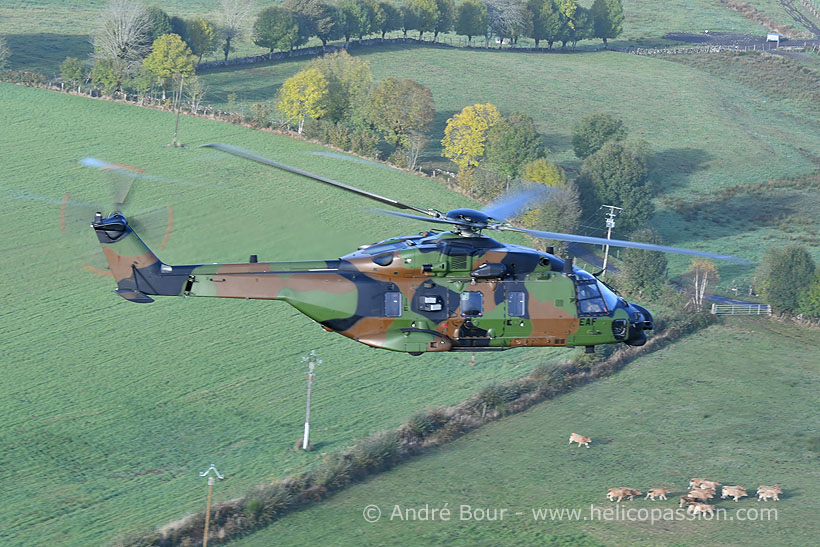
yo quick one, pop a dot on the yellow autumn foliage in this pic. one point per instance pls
(466, 134)
(303, 95)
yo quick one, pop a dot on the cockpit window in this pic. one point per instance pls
(589, 298)
(378, 249)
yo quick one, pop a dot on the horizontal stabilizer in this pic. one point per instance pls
(134, 296)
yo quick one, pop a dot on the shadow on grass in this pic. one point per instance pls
(678, 163)
(44, 52)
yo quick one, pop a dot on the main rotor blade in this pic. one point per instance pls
(622, 243)
(429, 219)
(514, 204)
(253, 157)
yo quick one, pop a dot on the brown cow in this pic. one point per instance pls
(735, 492)
(766, 492)
(659, 492)
(703, 494)
(580, 439)
(698, 508)
(621, 493)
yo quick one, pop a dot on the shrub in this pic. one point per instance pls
(376, 453)
(264, 502)
(364, 143)
(339, 136)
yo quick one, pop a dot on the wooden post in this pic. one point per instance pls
(208, 511)
(211, 481)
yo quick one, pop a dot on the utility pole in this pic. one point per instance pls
(312, 362)
(211, 481)
(610, 223)
(179, 105)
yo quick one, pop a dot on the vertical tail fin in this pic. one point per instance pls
(136, 268)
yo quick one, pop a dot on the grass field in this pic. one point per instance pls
(736, 403)
(110, 408)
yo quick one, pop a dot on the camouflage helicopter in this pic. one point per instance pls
(457, 290)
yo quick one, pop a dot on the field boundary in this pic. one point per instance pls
(230, 520)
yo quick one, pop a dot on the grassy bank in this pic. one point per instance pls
(735, 403)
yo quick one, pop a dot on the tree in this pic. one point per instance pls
(327, 25)
(551, 22)
(505, 18)
(466, 133)
(233, 18)
(5, 53)
(702, 276)
(511, 143)
(566, 20)
(354, 19)
(179, 26)
(446, 17)
(107, 75)
(72, 72)
(122, 35)
(276, 28)
(544, 172)
(201, 37)
(810, 297)
(471, 19)
(785, 274)
(608, 18)
(169, 60)
(159, 22)
(408, 18)
(617, 174)
(348, 79)
(593, 131)
(641, 272)
(534, 9)
(302, 95)
(308, 13)
(581, 26)
(399, 108)
(425, 15)
(561, 209)
(392, 18)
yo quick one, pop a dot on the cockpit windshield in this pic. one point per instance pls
(380, 248)
(594, 297)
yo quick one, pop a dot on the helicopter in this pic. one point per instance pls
(436, 291)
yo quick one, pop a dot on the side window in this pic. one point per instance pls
(471, 304)
(392, 304)
(516, 304)
(589, 299)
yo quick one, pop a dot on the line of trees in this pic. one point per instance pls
(294, 22)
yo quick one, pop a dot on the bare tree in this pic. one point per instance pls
(234, 16)
(505, 17)
(123, 34)
(5, 53)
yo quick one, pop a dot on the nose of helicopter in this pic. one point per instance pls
(640, 320)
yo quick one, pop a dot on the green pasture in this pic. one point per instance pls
(41, 33)
(111, 408)
(736, 403)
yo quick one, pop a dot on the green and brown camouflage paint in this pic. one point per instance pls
(431, 272)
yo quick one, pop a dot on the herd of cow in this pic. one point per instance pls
(700, 490)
